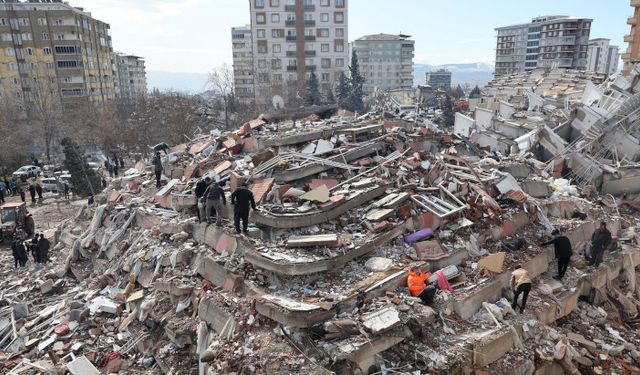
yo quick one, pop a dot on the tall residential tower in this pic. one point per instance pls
(602, 57)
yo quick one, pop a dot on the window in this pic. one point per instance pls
(339, 63)
(338, 17)
(47, 50)
(262, 48)
(308, 2)
(260, 33)
(308, 32)
(276, 48)
(72, 92)
(9, 52)
(339, 3)
(277, 33)
(23, 22)
(324, 3)
(4, 22)
(275, 18)
(324, 47)
(261, 19)
(277, 77)
(42, 21)
(325, 77)
(262, 64)
(308, 62)
(325, 63)
(308, 17)
(27, 36)
(68, 64)
(339, 33)
(60, 36)
(324, 17)
(323, 33)
(30, 51)
(339, 47)
(274, 3)
(276, 64)
(12, 66)
(44, 36)
(259, 3)
(65, 50)
(6, 37)
(49, 65)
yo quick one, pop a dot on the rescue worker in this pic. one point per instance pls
(33, 248)
(66, 189)
(39, 191)
(201, 187)
(32, 192)
(418, 286)
(215, 199)
(23, 197)
(563, 252)
(19, 254)
(43, 249)
(29, 225)
(600, 241)
(520, 284)
(157, 167)
(242, 199)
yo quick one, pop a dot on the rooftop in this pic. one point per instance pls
(382, 36)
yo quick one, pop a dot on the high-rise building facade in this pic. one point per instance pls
(293, 38)
(386, 61)
(439, 79)
(632, 56)
(545, 42)
(130, 77)
(602, 57)
(54, 49)
(243, 79)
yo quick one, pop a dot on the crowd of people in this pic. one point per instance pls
(38, 246)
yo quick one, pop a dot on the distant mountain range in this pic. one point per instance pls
(193, 83)
(473, 73)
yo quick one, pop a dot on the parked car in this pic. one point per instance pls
(49, 184)
(26, 172)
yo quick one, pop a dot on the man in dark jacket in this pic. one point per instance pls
(215, 200)
(32, 192)
(201, 187)
(43, 249)
(33, 247)
(157, 167)
(39, 191)
(242, 199)
(600, 241)
(17, 257)
(563, 252)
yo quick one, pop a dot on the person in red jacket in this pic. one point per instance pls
(418, 286)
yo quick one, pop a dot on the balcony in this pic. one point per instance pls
(289, 8)
(309, 22)
(291, 68)
(632, 21)
(310, 68)
(635, 3)
(290, 23)
(291, 38)
(310, 38)
(292, 53)
(628, 38)
(309, 53)
(310, 8)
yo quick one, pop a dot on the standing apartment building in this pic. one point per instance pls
(439, 79)
(292, 38)
(243, 80)
(54, 49)
(602, 57)
(545, 42)
(386, 61)
(632, 56)
(130, 77)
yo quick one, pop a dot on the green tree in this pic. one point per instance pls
(357, 82)
(459, 93)
(83, 179)
(447, 109)
(312, 96)
(344, 90)
(329, 98)
(475, 93)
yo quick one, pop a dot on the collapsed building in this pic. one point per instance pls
(318, 285)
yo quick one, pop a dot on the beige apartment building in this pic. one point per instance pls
(53, 49)
(130, 77)
(291, 39)
(632, 56)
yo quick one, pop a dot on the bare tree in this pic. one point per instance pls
(221, 82)
(13, 132)
(43, 106)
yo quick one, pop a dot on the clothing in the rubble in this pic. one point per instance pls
(215, 199)
(32, 192)
(443, 282)
(161, 147)
(242, 199)
(521, 284)
(600, 240)
(201, 187)
(43, 249)
(157, 167)
(19, 253)
(563, 251)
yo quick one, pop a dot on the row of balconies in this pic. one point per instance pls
(292, 23)
(293, 68)
(292, 8)
(306, 53)
(293, 38)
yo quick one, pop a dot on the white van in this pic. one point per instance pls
(49, 184)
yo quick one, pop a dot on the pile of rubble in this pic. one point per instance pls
(318, 284)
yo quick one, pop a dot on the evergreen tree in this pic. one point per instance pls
(475, 93)
(329, 98)
(84, 180)
(312, 96)
(344, 91)
(357, 81)
(447, 110)
(459, 93)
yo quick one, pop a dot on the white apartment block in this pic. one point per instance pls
(602, 57)
(243, 79)
(130, 77)
(386, 61)
(291, 39)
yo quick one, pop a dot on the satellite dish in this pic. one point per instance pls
(278, 102)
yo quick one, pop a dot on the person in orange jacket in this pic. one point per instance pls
(418, 286)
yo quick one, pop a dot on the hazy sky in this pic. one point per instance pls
(195, 35)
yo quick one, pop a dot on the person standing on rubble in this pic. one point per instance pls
(33, 247)
(39, 191)
(157, 167)
(563, 252)
(600, 241)
(418, 286)
(215, 199)
(32, 192)
(29, 224)
(107, 166)
(43, 249)
(242, 199)
(520, 284)
(19, 253)
(199, 191)
(23, 197)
